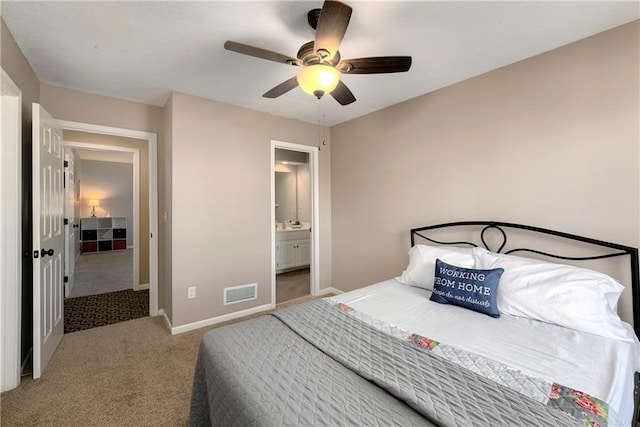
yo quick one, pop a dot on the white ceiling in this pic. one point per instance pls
(142, 50)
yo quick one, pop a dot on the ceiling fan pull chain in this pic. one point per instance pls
(320, 128)
(324, 141)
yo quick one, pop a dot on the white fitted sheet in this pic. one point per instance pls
(601, 367)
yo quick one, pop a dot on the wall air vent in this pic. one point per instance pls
(240, 293)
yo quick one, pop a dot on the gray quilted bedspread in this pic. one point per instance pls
(311, 365)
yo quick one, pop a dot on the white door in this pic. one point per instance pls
(70, 228)
(48, 238)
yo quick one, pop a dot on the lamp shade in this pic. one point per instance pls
(318, 79)
(94, 202)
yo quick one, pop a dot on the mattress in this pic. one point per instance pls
(599, 366)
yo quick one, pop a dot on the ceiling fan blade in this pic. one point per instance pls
(342, 94)
(282, 88)
(332, 25)
(259, 52)
(375, 65)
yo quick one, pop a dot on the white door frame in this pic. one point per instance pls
(70, 244)
(315, 232)
(136, 198)
(10, 231)
(152, 140)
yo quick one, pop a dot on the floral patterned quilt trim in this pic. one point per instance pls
(586, 409)
(591, 411)
(421, 341)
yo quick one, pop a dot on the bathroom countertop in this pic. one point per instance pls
(279, 230)
(304, 226)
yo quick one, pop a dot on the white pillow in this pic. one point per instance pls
(422, 263)
(564, 295)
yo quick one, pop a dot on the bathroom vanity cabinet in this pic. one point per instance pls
(103, 234)
(293, 249)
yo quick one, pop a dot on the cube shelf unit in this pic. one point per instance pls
(103, 234)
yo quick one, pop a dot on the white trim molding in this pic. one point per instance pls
(326, 291)
(315, 229)
(10, 231)
(167, 322)
(152, 140)
(135, 152)
(215, 320)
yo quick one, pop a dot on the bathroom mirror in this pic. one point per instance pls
(292, 187)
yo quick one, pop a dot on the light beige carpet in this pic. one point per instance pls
(102, 272)
(127, 374)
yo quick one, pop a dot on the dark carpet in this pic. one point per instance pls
(104, 309)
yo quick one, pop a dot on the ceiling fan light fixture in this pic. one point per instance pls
(320, 60)
(318, 79)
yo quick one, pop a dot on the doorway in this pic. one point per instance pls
(147, 209)
(107, 261)
(103, 184)
(294, 216)
(17, 300)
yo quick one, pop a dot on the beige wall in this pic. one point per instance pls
(66, 104)
(165, 248)
(221, 203)
(552, 141)
(143, 199)
(17, 67)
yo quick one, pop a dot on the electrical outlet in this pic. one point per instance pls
(191, 292)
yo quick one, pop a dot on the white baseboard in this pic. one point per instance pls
(145, 286)
(219, 319)
(166, 319)
(68, 288)
(325, 291)
(231, 316)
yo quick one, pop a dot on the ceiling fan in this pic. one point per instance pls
(320, 60)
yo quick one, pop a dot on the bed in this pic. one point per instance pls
(470, 334)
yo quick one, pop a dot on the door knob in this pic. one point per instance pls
(44, 252)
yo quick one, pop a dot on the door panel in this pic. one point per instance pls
(48, 238)
(286, 255)
(303, 252)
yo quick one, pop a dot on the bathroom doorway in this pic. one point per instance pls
(294, 201)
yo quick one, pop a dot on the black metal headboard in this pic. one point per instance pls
(615, 250)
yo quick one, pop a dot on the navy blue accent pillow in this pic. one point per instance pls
(467, 287)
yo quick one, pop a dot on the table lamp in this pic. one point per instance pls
(93, 203)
